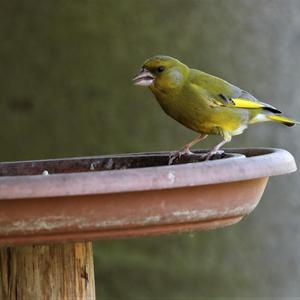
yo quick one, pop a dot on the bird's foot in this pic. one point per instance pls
(213, 153)
(176, 155)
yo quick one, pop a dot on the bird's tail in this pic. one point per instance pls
(283, 120)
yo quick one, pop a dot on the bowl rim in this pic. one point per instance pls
(253, 163)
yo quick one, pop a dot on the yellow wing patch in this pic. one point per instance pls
(245, 103)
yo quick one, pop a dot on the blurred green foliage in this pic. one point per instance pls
(65, 79)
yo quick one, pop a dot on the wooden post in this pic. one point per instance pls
(48, 272)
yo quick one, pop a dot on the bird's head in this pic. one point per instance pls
(162, 74)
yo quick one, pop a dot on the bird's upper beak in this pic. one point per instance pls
(144, 78)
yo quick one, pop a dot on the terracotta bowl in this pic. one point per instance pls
(119, 196)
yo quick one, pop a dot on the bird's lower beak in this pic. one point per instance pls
(144, 78)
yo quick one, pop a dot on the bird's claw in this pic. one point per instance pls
(176, 155)
(212, 153)
(206, 156)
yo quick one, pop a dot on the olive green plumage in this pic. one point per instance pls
(202, 102)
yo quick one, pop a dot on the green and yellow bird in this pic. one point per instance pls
(202, 102)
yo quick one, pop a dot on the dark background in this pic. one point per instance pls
(66, 90)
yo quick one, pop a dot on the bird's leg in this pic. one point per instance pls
(186, 148)
(216, 150)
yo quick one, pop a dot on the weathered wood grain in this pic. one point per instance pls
(47, 272)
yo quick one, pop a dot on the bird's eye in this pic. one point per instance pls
(160, 69)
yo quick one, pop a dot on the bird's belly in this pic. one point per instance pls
(211, 120)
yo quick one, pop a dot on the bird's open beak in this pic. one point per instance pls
(144, 78)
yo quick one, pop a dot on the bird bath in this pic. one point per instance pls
(77, 200)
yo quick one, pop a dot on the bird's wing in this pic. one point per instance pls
(243, 99)
(223, 93)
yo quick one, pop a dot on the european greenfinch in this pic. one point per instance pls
(202, 102)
